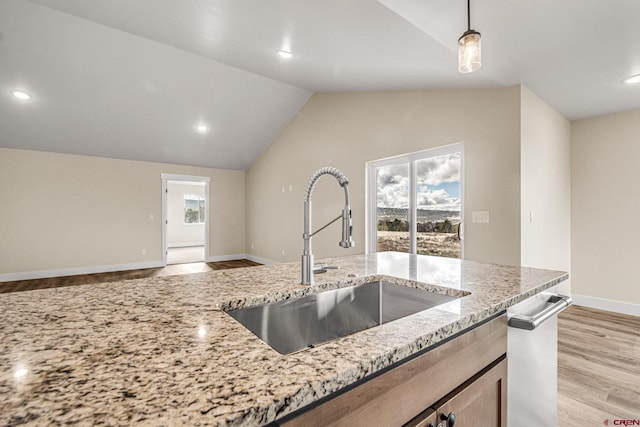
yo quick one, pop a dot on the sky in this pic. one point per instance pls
(438, 184)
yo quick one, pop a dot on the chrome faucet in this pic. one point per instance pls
(347, 229)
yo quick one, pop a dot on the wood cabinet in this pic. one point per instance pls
(428, 418)
(480, 402)
(465, 375)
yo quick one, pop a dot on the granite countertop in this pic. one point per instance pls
(162, 352)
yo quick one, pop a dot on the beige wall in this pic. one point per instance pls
(545, 186)
(61, 211)
(345, 130)
(605, 204)
(64, 211)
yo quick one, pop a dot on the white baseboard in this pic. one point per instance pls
(43, 274)
(607, 304)
(264, 261)
(184, 245)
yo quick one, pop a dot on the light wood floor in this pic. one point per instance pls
(170, 270)
(598, 367)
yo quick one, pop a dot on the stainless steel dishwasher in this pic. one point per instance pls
(532, 352)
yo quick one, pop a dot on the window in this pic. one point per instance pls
(415, 203)
(193, 209)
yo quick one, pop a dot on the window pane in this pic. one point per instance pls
(191, 215)
(202, 210)
(438, 203)
(392, 202)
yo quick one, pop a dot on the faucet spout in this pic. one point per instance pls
(347, 228)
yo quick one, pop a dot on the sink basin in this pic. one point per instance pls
(294, 324)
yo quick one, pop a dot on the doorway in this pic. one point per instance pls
(185, 222)
(414, 203)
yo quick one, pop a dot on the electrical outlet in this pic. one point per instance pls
(144, 251)
(283, 252)
(480, 217)
(253, 246)
(290, 188)
(152, 217)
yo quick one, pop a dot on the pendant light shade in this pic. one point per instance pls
(469, 52)
(469, 48)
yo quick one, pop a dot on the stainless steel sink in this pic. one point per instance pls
(294, 324)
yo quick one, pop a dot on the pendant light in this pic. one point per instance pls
(469, 48)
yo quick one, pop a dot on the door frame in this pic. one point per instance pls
(371, 221)
(190, 178)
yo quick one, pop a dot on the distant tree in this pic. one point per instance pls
(396, 225)
(191, 216)
(425, 227)
(444, 227)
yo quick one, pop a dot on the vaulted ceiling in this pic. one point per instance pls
(131, 79)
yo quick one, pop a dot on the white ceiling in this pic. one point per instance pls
(134, 85)
(101, 92)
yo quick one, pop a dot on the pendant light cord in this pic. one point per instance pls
(469, 15)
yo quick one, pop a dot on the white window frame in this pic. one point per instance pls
(371, 220)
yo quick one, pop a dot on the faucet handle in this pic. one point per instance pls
(347, 229)
(322, 268)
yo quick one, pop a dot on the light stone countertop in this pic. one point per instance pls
(161, 352)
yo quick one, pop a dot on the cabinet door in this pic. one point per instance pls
(427, 418)
(480, 402)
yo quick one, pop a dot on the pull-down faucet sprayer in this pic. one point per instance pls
(346, 242)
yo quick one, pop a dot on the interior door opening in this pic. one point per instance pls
(185, 207)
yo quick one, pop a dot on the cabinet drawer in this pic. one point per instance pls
(480, 402)
(396, 396)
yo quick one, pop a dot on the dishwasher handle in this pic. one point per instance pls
(558, 303)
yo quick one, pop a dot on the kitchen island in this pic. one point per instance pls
(162, 351)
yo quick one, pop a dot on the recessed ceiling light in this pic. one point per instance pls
(201, 128)
(21, 95)
(285, 54)
(632, 79)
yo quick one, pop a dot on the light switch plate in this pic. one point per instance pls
(480, 217)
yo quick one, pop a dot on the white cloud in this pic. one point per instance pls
(393, 184)
(393, 187)
(437, 200)
(437, 170)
